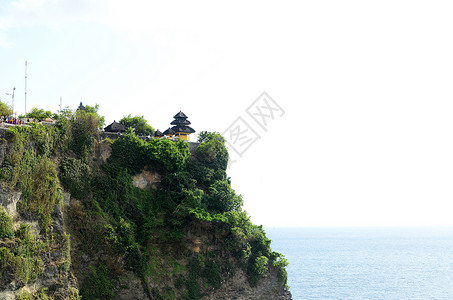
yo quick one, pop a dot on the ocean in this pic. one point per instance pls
(367, 263)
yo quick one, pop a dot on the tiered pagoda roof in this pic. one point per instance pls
(181, 123)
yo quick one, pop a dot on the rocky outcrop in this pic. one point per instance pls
(146, 180)
(54, 274)
(238, 288)
(102, 151)
(9, 199)
(202, 238)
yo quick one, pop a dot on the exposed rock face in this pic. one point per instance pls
(9, 199)
(146, 180)
(201, 238)
(134, 288)
(55, 275)
(238, 288)
(102, 151)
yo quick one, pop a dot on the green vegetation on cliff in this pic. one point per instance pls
(182, 239)
(138, 124)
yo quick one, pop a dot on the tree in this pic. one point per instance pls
(93, 110)
(63, 124)
(5, 110)
(39, 114)
(84, 127)
(204, 136)
(139, 124)
(65, 113)
(222, 198)
(212, 151)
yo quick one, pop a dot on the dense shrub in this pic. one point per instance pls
(32, 171)
(63, 128)
(127, 152)
(133, 153)
(281, 263)
(98, 284)
(84, 128)
(41, 190)
(75, 176)
(222, 198)
(212, 274)
(42, 137)
(6, 224)
(138, 124)
(173, 155)
(36, 176)
(195, 268)
(24, 259)
(260, 265)
(212, 151)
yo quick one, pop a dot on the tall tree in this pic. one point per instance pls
(94, 111)
(84, 127)
(5, 110)
(138, 123)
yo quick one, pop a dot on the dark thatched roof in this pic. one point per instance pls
(115, 127)
(180, 121)
(158, 133)
(180, 115)
(184, 129)
(169, 131)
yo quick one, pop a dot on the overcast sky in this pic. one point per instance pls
(358, 107)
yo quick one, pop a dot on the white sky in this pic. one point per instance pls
(366, 86)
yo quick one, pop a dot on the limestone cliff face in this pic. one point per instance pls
(201, 238)
(238, 288)
(50, 273)
(66, 260)
(9, 199)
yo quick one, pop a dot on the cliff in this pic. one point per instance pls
(91, 218)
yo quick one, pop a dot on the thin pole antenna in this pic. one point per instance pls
(13, 100)
(25, 88)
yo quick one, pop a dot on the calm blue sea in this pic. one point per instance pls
(367, 263)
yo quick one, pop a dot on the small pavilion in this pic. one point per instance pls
(158, 134)
(169, 133)
(115, 127)
(181, 128)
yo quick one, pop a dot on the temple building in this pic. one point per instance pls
(115, 127)
(158, 134)
(181, 128)
(169, 133)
